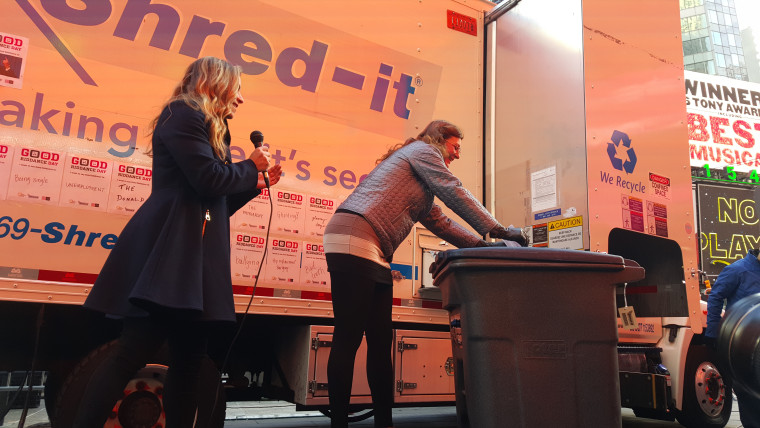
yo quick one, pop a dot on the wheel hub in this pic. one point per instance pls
(710, 389)
(140, 409)
(142, 403)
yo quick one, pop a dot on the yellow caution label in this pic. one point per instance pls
(565, 223)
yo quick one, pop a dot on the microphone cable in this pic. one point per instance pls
(248, 307)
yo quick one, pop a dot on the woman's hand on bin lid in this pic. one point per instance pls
(499, 243)
(510, 234)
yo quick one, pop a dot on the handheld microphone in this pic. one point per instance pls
(257, 138)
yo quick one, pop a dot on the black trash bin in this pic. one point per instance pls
(534, 335)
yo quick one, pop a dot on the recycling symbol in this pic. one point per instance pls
(612, 150)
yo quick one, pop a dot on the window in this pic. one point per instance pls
(721, 60)
(716, 39)
(713, 15)
(707, 67)
(695, 46)
(731, 40)
(685, 4)
(692, 23)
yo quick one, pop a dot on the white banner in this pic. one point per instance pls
(723, 117)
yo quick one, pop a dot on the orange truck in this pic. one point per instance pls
(575, 128)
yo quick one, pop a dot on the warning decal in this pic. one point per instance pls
(633, 213)
(566, 233)
(657, 219)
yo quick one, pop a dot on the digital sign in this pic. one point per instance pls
(729, 224)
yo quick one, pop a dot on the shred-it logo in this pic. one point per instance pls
(293, 66)
(39, 156)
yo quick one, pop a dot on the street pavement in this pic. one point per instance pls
(278, 414)
(413, 417)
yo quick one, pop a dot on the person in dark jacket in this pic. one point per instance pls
(168, 275)
(359, 243)
(736, 281)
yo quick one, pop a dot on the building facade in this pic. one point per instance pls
(751, 40)
(712, 41)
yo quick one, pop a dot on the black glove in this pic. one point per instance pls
(510, 234)
(499, 243)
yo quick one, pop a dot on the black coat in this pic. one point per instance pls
(165, 259)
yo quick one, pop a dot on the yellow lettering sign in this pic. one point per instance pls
(566, 223)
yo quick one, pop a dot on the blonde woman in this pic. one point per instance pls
(168, 276)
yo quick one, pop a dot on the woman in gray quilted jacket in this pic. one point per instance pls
(361, 238)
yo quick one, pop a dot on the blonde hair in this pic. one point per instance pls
(435, 133)
(209, 85)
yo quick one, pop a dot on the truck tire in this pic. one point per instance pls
(52, 386)
(739, 344)
(142, 404)
(57, 374)
(707, 394)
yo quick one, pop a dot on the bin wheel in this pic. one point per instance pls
(707, 394)
(352, 417)
(142, 403)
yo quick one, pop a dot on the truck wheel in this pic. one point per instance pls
(707, 394)
(142, 403)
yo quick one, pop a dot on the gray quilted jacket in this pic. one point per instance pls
(399, 192)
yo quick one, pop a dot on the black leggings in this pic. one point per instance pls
(140, 340)
(361, 306)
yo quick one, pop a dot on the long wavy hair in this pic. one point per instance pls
(435, 133)
(209, 85)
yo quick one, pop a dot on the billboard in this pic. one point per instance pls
(723, 118)
(729, 224)
(330, 92)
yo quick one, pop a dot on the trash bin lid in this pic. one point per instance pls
(528, 255)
